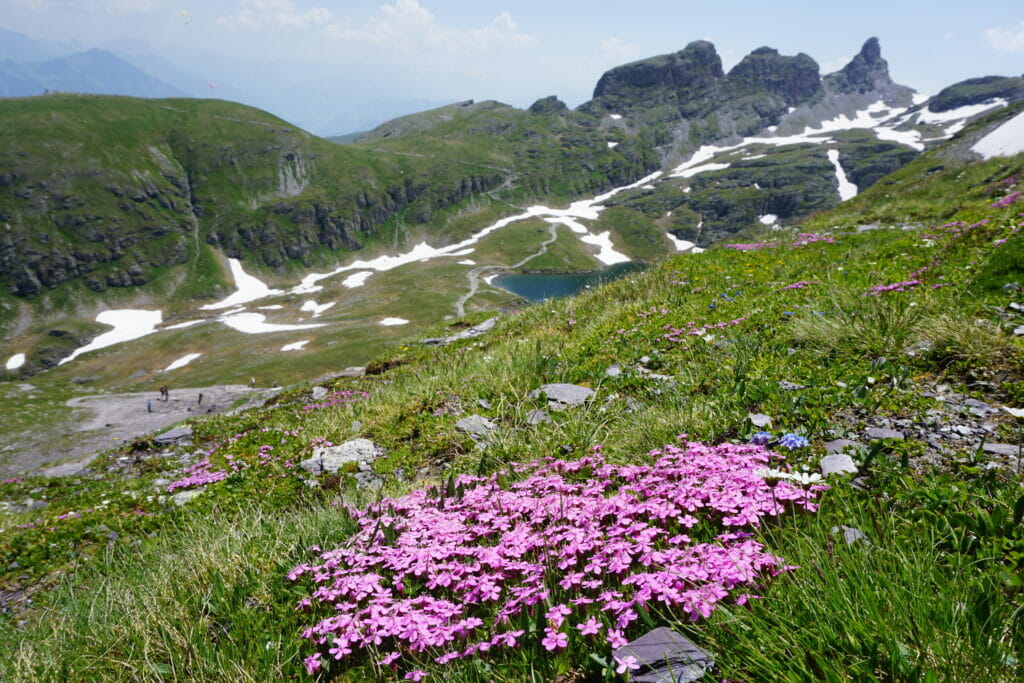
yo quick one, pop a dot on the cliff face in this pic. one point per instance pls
(688, 96)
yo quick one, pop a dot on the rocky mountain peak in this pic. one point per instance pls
(867, 72)
(795, 79)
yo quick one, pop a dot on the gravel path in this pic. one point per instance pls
(107, 420)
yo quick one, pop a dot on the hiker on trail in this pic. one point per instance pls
(149, 405)
(165, 393)
(200, 401)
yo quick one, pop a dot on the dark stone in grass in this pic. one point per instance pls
(875, 433)
(476, 425)
(840, 445)
(665, 656)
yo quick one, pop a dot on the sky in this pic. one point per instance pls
(297, 56)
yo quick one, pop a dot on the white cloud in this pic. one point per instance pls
(257, 14)
(1007, 39)
(408, 26)
(619, 50)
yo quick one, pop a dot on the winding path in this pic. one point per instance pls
(475, 273)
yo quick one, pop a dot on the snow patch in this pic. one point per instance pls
(274, 307)
(615, 117)
(254, 323)
(182, 362)
(941, 117)
(607, 254)
(847, 190)
(389, 322)
(128, 324)
(295, 346)
(585, 209)
(15, 361)
(1006, 140)
(769, 219)
(467, 262)
(356, 279)
(612, 145)
(316, 309)
(248, 289)
(680, 245)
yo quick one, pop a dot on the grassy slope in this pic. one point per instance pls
(206, 597)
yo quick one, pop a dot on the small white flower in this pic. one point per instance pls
(871, 380)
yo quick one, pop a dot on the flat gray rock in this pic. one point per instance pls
(760, 420)
(563, 394)
(183, 497)
(840, 445)
(537, 416)
(882, 433)
(790, 386)
(838, 463)
(333, 458)
(68, 469)
(477, 425)
(468, 333)
(851, 534)
(1019, 331)
(1009, 449)
(319, 393)
(175, 435)
(613, 370)
(665, 656)
(354, 371)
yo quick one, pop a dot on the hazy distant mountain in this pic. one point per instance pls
(94, 71)
(21, 48)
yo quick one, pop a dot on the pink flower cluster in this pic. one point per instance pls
(1007, 200)
(198, 475)
(805, 238)
(573, 551)
(879, 290)
(338, 398)
(802, 284)
(693, 329)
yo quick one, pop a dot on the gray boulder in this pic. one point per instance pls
(760, 420)
(475, 425)
(176, 435)
(1006, 449)
(561, 396)
(333, 458)
(319, 393)
(468, 333)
